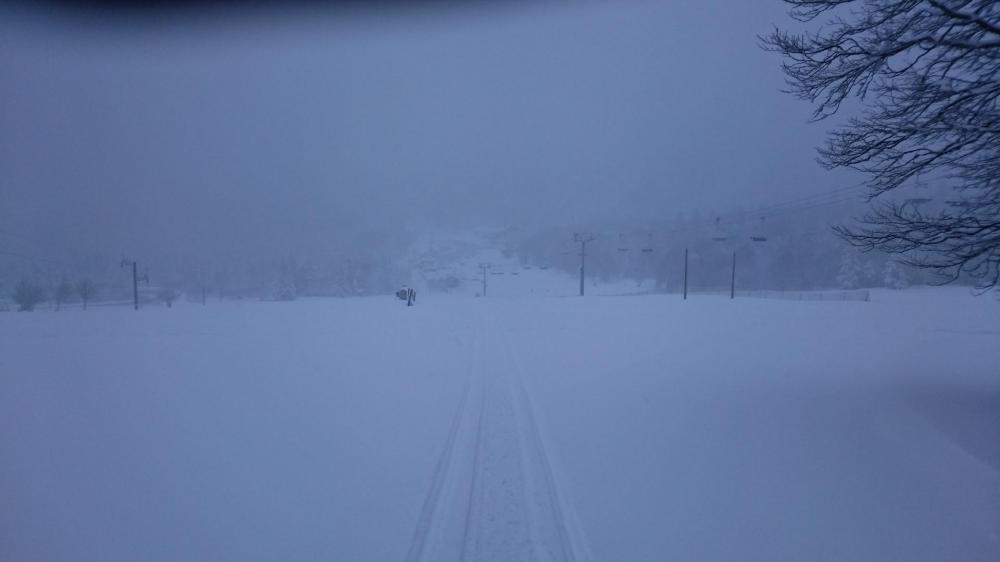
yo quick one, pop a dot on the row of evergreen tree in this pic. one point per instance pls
(795, 251)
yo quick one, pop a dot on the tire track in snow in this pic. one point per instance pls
(473, 509)
(438, 479)
(427, 535)
(558, 535)
(493, 493)
(498, 518)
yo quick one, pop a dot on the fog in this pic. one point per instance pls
(441, 281)
(206, 131)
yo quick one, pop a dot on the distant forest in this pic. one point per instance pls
(792, 248)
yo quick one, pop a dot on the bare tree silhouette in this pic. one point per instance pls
(926, 73)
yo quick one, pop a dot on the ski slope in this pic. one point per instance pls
(505, 428)
(460, 256)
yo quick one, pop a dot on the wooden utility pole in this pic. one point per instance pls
(685, 274)
(732, 283)
(484, 267)
(582, 238)
(135, 285)
(135, 280)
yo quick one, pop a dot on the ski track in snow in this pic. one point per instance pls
(493, 495)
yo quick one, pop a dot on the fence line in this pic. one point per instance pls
(858, 295)
(855, 295)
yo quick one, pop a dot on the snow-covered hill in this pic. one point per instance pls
(452, 263)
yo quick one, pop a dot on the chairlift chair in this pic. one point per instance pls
(759, 235)
(649, 244)
(718, 235)
(621, 244)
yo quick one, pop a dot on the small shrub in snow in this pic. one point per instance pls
(850, 273)
(86, 289)
(894, 276)
(27, 295)
(285, 292)
(168, 296)
(64, 292)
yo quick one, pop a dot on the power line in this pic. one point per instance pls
(33, 259)
(827, 198)
(812, 198)
(799, 204)
(10, 234)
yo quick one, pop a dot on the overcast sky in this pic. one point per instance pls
(209, 128)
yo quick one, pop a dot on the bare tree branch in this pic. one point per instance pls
(926, 73)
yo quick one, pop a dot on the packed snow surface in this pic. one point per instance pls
(504, 428)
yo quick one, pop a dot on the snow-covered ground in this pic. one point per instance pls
(527, 428)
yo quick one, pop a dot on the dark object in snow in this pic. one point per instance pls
(407, 294)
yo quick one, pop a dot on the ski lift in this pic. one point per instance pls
(918, 200)
(622, 249)
(649, 244)
(718, 235)
(759, 235)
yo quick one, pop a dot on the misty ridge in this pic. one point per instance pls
(790, 248)
(247, 157)
(282, 155)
